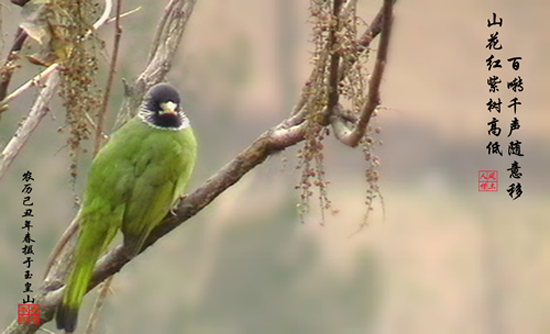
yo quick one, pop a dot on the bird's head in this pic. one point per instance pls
(161, 108)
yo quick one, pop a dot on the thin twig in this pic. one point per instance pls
(104, 16)
(27, 85)
(10, 64)
(123, 15)
(102, 113)
(38, 111)
(104, 289)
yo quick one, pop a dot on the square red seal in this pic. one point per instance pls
(487, 180)
(28, 314)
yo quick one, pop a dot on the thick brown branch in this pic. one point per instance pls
(270, 142)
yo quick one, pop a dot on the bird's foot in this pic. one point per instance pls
(176, 205)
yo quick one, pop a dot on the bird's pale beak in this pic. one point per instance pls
(168, 107)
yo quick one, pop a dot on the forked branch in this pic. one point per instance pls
(341, 130)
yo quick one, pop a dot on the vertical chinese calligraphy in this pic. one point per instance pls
(28, 312)
(494, 66)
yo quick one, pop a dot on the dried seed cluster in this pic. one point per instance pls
(81, 96)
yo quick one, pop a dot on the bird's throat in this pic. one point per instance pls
(168, 120)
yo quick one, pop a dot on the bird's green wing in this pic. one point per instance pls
(161, 172)
(149, 203)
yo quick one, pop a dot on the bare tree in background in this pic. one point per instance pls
(338, 97)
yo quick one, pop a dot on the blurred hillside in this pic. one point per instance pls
(442, 259)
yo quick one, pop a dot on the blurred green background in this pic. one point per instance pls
(444, 259)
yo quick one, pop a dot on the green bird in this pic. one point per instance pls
(134, 180)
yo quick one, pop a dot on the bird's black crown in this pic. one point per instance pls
(160, 93)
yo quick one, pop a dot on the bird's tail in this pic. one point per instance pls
(76, 286)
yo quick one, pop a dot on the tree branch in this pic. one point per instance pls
(342, 132)
(38, 111)
(27, 85)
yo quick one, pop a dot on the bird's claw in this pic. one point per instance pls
(173, 212)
